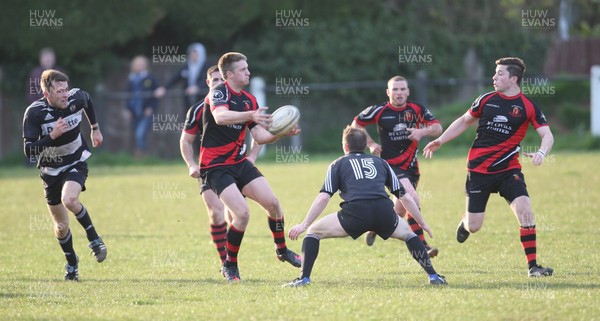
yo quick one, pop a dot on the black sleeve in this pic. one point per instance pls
(88, 106)
(332, 179)
(399, 193)
(193, 119)
(32, 130)
(368, 116)
(32, 148)
(392, 182)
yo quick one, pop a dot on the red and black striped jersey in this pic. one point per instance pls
(392, 126)
(224, 144)
(503, 123)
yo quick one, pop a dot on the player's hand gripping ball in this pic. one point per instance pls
(284, 119)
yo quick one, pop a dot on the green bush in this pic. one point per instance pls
(574, 117)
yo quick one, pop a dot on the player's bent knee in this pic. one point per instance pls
(216, 212)
(216, 216)
(241, 218)
(70, 202)
(474, 227)
(401, 211)
(320, 233)
(403, 235)
(320, 230)
(526, 218)
(61, 229)
(402, 231)
(272, 207)
(474, 221)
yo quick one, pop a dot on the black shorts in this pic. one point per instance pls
(203, 185)
(376, 215)
(220, 177)
(510, 184)
(412, 174)
(53, 184)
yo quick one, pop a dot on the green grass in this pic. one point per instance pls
(162, 265)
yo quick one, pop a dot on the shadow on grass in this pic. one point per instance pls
(215, 280)
(5, 295)
(404, 281)
(139, 280)
(135, 236)
(527, 283)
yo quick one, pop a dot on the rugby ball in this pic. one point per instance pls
(284, 119)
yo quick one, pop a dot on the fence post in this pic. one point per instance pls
(2, 115)
(258, 88)
(595, 99)
(296, 140)
(101, 108)
(421, 89)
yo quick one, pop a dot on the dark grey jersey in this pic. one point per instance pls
(359, 176)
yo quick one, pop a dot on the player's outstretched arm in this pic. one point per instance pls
(97, 137)
(537, 158)
(90, 113)
(254, 151)
(186, 146)
(455, 129)
(263, 136)
(315, 210)
(430, 130)
(224, 116)
(433, 130)
(414, 211)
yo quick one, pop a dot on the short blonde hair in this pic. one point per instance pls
(396, 78)
(227, 60)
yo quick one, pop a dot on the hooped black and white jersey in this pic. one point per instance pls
(55, 156)
(359, 176)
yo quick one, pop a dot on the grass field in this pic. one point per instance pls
(162, 266)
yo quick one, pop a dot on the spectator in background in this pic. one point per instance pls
(193, 75)
(47, 60)
(141, 103)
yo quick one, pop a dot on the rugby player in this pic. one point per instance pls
(360, 178)
(400, 124)
(223, 163)
(193, 127)
(493, 164)
(51, 133)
